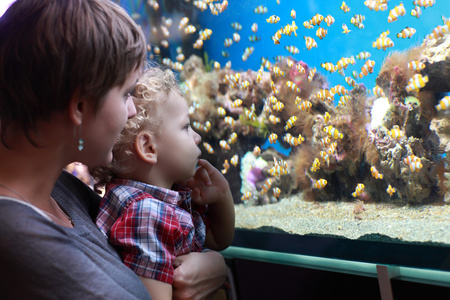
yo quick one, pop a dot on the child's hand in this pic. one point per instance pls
(208, 184)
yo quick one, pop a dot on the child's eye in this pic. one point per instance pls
(187, 126)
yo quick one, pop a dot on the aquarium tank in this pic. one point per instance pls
(329, 119)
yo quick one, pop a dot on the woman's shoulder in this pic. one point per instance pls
(43, 256)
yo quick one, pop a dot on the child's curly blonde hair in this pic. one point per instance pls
(152, 89)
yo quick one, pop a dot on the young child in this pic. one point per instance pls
(143, 213)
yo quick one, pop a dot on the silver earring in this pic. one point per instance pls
(80, 140)
(80, 144)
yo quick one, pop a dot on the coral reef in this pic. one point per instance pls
(353, 151)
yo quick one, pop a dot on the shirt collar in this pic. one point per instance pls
(175, 196)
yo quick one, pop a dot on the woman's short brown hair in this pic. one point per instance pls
(53, 50)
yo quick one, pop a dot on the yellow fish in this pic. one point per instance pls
(293, 86)
(224, 145)
(357, 20)
(290, 122)
(293, 141)
(444, 103)
(375, 173)
(325, 142)
(321, 32)
(415, 166)
(333, 132)
(345, 28)
(367, 68)
(200, 5)
(416, 82)
(359, 190)
(276, 192)
(416, 12)
(278, 106)
(378, 91)
(320, 184)
(205, 34)
(363, 55)
(350, 81)
(416, 65)
(293, 14)
(326, 117)
(273, 19)
(266, 185)
(317, 19)
(230, 121)
(228, 42)
(329, 20)
(254, 27)
(226, 166)
(396, 12)
(256, 151)
(236, 26)
(232, 139)
(344, 7)
(408, 32)
(375, 5)
(273, 138)
(305, 106)
(274, 120)
(208, 148)
(292, 49)
(315, 166)
(189, 29)
(328, 66)
(390, 190)
(343, 100)
(310, 43)
(183, 23)
(278, 72)
(234, 160)
(395, 132)
(250, 114)
(236, 103)
(236, 37)
(338, 89)
(307, 25)
(311, 74)
(260, 9)
(411, 159)
(246, 196)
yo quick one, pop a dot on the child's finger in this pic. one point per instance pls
(203, 176)
(196, 196)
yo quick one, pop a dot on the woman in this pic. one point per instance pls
(66, 70)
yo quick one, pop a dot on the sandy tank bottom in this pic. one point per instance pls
(425, 223)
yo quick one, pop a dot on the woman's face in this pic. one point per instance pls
(101, 130)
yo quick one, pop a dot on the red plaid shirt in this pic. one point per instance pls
(150, 226)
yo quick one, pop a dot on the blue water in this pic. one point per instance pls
(330, 49)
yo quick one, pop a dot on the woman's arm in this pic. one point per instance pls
(157, 289)
(198, 275)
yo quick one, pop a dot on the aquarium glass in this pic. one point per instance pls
(328, 118)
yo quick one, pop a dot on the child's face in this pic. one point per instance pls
(177, 148)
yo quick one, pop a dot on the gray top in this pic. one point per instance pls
(42, 260)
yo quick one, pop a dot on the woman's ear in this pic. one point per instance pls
(77, 107)
(145, 147)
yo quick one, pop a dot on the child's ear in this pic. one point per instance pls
(145, 147)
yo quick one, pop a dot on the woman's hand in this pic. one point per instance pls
(198, 275)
